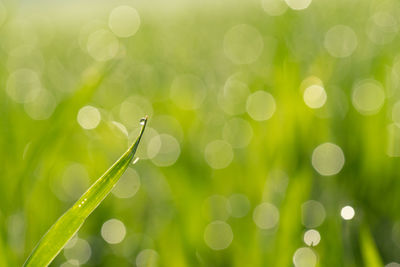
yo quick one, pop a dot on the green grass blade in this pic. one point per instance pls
(369, 250)
(70, 222)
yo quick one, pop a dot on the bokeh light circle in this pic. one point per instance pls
(382, 28)
(274, 7)
(298, 4)
(128, 185)
(243, 44)
(218, 235)
(70, 263)
(218, 154)
(340, 41)
(42, 106)
(260, 106)
(312, 214)
(88, 117)
(232, 98)
(347, 213)
(266, 216)
(147, 258)
(150, 143)
(102, 45)
(168, 152)
(368, 97)
(328, 159)
(315, 96)
(23, 85)
(113, 231)
(124, 21)
(79, 252)
(305, 257)
(312, 237)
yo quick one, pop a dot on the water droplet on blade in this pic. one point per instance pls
(143, 120)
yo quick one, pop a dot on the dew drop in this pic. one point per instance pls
(143, 120)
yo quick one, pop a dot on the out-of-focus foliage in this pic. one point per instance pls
(273, 136)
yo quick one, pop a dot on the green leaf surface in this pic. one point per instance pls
(70, 222)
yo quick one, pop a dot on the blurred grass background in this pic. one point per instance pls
(273, 137)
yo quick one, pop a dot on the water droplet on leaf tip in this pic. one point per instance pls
(143, 120)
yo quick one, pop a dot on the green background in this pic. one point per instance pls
(50, 42)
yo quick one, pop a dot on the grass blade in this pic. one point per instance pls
(369, 250)
(70, 222)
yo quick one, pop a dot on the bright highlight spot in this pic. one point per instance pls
(266, 216)
(328, 159)
(124, 21)
(304, 257)
(260, 106)
(218, 235)
(113, 231)
(314, 96)
(312, 238)
(243, 44)
(218, 154)
(347, 213)
(88, 117)
(340, 41)
(368, 97)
